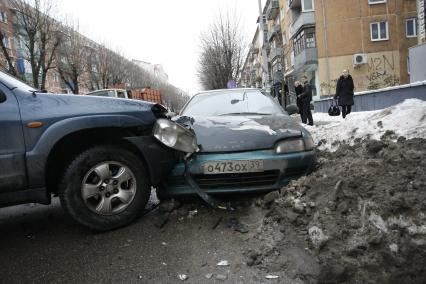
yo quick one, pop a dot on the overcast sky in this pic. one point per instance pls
(157, 31)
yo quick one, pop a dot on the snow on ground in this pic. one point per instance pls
(406, 119)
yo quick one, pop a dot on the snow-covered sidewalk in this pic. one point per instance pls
(406, 119)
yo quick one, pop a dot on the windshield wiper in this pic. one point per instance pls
(245, 113)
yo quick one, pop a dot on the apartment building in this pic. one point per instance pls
(369, 37)
(156, 70)
(320, 38)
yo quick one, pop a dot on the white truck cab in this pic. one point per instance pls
(113, 93)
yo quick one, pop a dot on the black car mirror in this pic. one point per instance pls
(235, 101)
(2, 97)
(292, 109)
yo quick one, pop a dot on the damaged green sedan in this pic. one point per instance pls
(242, 141)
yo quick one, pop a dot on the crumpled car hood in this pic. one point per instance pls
(240, 133)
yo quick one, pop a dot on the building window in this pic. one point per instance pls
(292, 58)
(379, 31)
(411, 27)
(6, 42)
(376, 1)
(3, 17)
(305, 39)
(310, 40)
(307, 5)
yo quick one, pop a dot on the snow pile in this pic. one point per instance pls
(360, 217)
(406, 119)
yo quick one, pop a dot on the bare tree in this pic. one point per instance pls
(35, 24)
(222, 52)
(71, 57)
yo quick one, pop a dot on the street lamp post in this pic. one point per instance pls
(265, 66)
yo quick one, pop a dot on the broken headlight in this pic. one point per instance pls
(295, 145)
(175, 136)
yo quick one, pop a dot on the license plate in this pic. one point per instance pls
(226, 167)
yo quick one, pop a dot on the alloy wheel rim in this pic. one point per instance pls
(108, 188)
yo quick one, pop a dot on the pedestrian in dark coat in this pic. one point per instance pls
(298, 88)
(345, 92)
(306, 98)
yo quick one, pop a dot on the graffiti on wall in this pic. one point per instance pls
(381, 70)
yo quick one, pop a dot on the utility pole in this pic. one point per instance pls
(265, 67)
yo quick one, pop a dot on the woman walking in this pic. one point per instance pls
(345, 92)
(298, 88)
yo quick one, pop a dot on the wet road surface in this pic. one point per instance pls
(42, 244)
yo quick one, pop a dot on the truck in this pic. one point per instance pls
(147, 94)
(99, 155)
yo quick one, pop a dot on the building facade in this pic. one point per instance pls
(320, 38)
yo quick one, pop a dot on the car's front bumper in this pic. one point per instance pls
(279, 170)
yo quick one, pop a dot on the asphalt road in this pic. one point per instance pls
(42, 244)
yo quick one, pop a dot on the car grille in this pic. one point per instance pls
(230, 180)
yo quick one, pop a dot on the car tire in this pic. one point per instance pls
(101, 202)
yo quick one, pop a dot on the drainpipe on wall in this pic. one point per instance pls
(264, 55)
(327, 63)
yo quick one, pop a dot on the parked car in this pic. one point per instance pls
(99, 155)
(247, 143)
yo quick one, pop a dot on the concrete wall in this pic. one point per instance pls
(418, 63)
(380, 99)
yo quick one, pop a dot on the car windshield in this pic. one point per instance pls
(241, 102)
(14, 83)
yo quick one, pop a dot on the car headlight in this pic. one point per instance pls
(175, 136)
(295, 145)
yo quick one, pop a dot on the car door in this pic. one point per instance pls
(12, 147)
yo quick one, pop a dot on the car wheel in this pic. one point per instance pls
(105, 187)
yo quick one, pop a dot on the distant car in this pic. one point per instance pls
(112, 93)
(101, 158)
(247, 143)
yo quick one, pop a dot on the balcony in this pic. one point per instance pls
(304, 19)
(273, 9)
(276, 30)
(276, 52)
(306, 60)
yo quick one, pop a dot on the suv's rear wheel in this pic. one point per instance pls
(105, 187)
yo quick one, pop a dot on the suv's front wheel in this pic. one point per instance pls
(105, 187)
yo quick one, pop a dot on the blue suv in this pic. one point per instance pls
(99, 155)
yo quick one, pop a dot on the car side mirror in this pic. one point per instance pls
(2, 97)
(292, 109)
